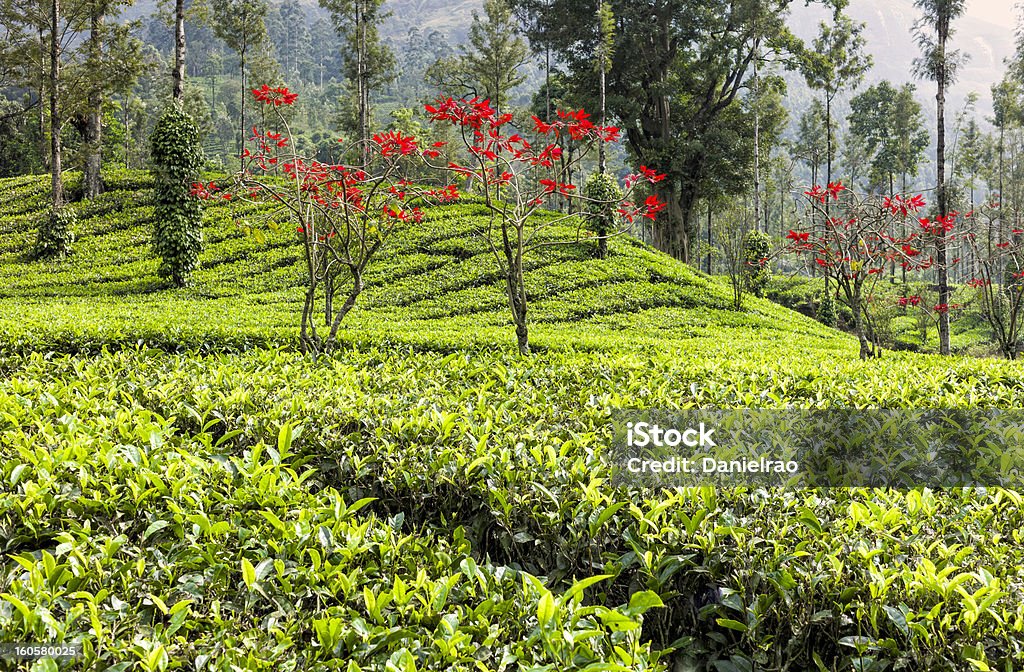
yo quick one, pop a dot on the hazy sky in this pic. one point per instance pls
(998, 11)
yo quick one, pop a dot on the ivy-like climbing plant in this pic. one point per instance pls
(177, 158)
(602, 194)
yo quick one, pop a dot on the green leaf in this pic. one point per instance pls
(732, 624)
(642, 601)
(248, 573)
(545, 608)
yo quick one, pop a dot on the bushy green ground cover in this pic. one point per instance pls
(427, 499)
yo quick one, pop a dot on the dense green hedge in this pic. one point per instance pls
(241, 503)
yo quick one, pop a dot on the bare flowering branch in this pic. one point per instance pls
(343, 215)
(517, 174)
(853, 241)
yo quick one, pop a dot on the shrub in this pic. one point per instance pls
(827, 313)
(55, 236)
(601, 193)
(177, 159)
(757, 273)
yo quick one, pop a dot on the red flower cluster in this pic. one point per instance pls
(276, 97)
(472, 113)
(577, 124)
(551, 186)
(820, 194)
(898, 205)
(943, 308)
(644, 173)
(393, 142)
(414, 214)
(905, 301)
(978, 282)
(205, 191)
(445, 195)
(940, 225)
(650, 209)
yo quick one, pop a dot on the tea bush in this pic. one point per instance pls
(182, 490)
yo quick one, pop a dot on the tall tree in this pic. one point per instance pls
(369, 62)
(812, 140)
(677, 71)
(113, 62)
(178, 72)
(605, 49)
(891, 125)
(241, 24)
(837, 61)
(939, 64)
(495, 54)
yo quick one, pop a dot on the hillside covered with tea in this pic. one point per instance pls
(182, 489)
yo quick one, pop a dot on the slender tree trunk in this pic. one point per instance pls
(56, 180)
(903, 227)
(44, 152)
(828, 163)
(757, 151)
(940, 161)
(178, 74)
(361, 81)
(709, 237)
(127, 133)
(92, 178)
(241, 138)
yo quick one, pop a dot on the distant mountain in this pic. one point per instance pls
(890, 40)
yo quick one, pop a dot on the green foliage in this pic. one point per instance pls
(177, 157)
(828, 310)
(55, 234)
(757, 272)
(602, 194)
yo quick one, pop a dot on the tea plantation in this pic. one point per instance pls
(180, 489)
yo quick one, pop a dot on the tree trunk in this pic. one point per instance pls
(241, 140)
(92, 178)
(350, 302)
(56, 180)
(178, 74)
(940, 165)
(515, 287)
(361, 82)
(44, 152)
(709, 238)
(757, 151)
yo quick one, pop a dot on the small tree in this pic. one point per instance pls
(730, 229)
(999, 281)
(853, 245)
(344, 215)
(515, 177)
(177, 157)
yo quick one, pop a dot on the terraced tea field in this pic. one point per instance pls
(180, 489)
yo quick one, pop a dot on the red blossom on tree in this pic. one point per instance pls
(276, 96)
(516, 177)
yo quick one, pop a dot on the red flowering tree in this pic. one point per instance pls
(344, 215)
(998, 279)
(852, 244)
(516, 174)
